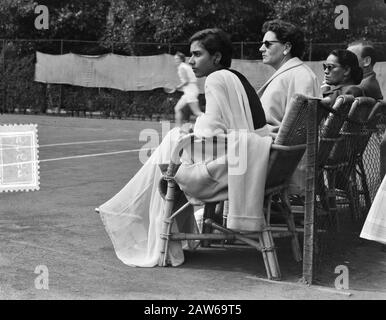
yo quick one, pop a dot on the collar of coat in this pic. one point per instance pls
(290, 64)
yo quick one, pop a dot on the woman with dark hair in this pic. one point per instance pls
(211, 51)
(282, 48)
(133, 217)
(342, 74)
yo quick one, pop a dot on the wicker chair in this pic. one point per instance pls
(346, 155)
(329, 135)
(370, 127)
(286, 152)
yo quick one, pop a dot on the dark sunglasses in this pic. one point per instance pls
(268, 43)
(329, 67)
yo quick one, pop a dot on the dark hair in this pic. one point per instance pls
(215, 40)
(367, 49)
(186, 113)
(287, 32)
(348, 59)
(180, 55)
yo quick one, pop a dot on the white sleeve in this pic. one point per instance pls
(211, 122)
(182, 73)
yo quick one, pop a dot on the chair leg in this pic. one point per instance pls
(291, 227)
(365, 186)
(354, 194)
(269, 255)
(321, 190)
(165, 235)
(351, 200)
(209, 213)
(331, 194)
(265, 245)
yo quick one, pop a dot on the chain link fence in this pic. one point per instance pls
(20, 93)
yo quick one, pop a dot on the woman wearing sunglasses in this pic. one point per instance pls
(282, 47)
(342, 73)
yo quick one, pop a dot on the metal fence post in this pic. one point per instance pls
(60, 86)
(4, 80)
(242, 50)
(310, 52)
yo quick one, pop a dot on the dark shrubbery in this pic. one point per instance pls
(22, 94)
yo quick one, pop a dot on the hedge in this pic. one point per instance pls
(20, 93)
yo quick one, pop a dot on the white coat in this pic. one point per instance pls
(292, 77)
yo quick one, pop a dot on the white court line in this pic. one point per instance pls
(95, 155)
(80, 142)
(12, 147)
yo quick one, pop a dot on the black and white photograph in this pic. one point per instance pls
(193, 155)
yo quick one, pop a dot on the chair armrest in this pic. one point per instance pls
(288, 148)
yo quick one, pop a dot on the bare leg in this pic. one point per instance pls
(179, 114)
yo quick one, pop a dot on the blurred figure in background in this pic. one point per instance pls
(366, 55)
(375, 225)
(188, 83)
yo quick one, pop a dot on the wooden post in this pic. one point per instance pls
(310, 212)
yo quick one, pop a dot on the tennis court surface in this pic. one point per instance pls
(83, 162)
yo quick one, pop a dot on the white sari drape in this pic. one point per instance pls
(133, 217)
(375, 224)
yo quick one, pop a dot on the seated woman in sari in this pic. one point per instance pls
(374, 227)
(342, 74)
(133, 217)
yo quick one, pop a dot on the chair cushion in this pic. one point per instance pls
(206, 181)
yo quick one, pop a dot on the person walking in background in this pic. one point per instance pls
(188, 103)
